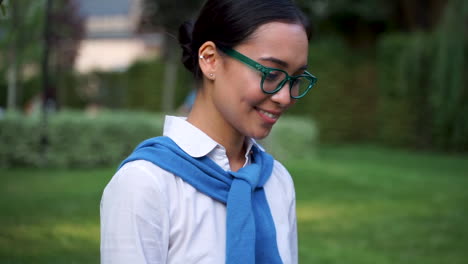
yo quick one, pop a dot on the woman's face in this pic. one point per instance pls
(238, 95)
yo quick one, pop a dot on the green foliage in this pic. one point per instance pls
(22, 29)
(370, 10)
(75, 139)
(139, 88)
(170, 13)
(425, 73)
(80, 140)
(448, 78)
(292, 137)
(343, 101)
(71, 91)
(21, 37)
(2, 7)
(397, 118)
(19, 141)
(20, 33)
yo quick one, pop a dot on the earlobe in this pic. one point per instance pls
(208, 59)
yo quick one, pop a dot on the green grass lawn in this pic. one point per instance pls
(356, 204)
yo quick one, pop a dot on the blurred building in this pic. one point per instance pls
(113, 41)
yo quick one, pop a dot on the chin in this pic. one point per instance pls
(261, 134)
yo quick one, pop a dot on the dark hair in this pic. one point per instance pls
(230, 22)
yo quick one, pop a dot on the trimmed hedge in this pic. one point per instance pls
(81, 140)
(74, 139)
(343, 103)
(19, 141)
(293, 137)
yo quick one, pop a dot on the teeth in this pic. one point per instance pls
(270, 115)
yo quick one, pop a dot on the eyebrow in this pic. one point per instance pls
(275, 60)
(281, 62)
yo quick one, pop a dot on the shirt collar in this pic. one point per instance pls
(188, 137)
(192, 140)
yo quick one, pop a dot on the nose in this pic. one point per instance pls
(283, 97)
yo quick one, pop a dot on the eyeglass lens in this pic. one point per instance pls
(274, 80)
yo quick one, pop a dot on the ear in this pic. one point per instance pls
(208, 59)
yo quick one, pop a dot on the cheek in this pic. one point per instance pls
(243, 88)
(251, 89)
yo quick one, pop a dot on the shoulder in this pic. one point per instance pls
(279, 168)
(139, 172)
(138, 180)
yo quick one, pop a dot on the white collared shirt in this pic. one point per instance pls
(149, 215)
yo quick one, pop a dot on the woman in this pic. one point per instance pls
(206, 192)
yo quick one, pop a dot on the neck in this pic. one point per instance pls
(207, 118)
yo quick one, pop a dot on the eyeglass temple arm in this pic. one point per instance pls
(242, 58)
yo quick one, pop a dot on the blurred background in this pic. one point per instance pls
(378, 149)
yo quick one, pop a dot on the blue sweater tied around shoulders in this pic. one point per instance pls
(250, 230)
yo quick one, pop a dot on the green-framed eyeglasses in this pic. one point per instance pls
(274, 79)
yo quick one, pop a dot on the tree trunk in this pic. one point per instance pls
(170, 77)
(46, 100)
(12, 77)
(12, 72)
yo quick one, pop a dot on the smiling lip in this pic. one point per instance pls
(268, 116)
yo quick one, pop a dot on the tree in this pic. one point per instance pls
(361, 22)
(22, 40)
(448, 77)
(66, 31)
(2, 8)
(168, 15)
(20, 33)
(427, 72)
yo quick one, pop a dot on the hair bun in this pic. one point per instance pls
(185, 41)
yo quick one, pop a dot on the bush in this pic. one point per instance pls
(423, 84)
(19, 141)
(140, 88)
(81, 140)
(410, 91)
(343, 101)
(75, 139)
(397, 114)
(293, 137)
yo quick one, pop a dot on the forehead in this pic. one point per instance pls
(281, 40)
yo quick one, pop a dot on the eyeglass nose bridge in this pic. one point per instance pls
(291, 80)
